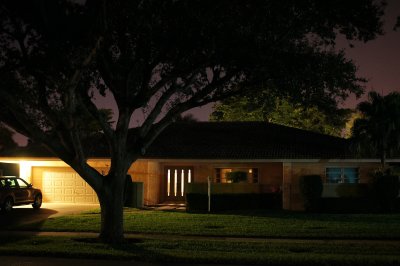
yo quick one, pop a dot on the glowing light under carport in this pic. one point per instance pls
(25, 170)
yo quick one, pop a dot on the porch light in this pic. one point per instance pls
(25, 170)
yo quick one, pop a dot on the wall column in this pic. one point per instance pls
(154, 183)
(287, 185)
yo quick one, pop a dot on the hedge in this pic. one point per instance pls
(221, 202)
(311, 190)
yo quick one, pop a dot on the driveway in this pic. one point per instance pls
(26, 214)
(46, 261)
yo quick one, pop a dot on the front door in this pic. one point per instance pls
(176, 178)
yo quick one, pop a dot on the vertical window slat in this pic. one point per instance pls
(176, 182)
(169, 183)
(182, 182)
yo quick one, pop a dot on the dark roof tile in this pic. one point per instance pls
(230, 140)
(245, 140)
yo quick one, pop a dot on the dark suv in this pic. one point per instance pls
(15, 191)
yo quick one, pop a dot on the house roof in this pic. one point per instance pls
(245, 140)
(230, 140)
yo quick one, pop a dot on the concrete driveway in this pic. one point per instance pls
(26, 214)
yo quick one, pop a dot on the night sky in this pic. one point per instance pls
(377, 60)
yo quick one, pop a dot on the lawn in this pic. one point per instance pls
(239, 224)
(298, 252)
(268, 238)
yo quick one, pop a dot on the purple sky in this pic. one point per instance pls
(377, 60)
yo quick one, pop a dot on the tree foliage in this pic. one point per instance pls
(6, 138)
(377, 132)
(354, 115)
(283, 112)
(158, 59)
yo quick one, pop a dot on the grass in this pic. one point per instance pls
(239, 224)
(329, 239)
(299, 252)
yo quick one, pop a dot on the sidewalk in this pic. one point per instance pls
(49, 261)
(194, 237)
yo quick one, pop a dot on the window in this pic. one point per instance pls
(22, 184)
(10, 183)
(220, 174)
(254, 173)
(217, 175)
(176, 179)
(342, 175)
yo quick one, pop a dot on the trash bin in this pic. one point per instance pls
(133, 193)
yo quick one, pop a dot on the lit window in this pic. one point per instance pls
(176, 182)
(182, 182)
(176, 178)
(221, 174)
(342, 175)
(169, 183)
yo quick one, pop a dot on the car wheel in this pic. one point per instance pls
(38, 201)
(8, 204)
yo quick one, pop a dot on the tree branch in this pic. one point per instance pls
(153, 130)
(92, 109)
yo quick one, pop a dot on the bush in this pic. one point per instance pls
(385, 190)
(236, 176)
(311, 190)
(221, 202)
(349, 205)
(352, 190)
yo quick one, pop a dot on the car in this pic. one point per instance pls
(15, 191)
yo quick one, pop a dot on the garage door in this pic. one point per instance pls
(66, 186)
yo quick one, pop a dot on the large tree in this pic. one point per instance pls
(6, 138)
(377, 131)
(159, 59)
(331, 121)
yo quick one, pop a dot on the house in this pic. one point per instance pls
(273, 156)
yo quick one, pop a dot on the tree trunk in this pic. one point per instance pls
(111, 204)
(383, 160)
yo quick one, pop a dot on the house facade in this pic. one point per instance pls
(273, 157)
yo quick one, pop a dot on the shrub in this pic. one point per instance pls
(222, 202)
(236, 176)
(349, 205)
(311, 190)
(352, 190)
(385, 188)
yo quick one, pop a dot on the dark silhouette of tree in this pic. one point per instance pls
(6, 139)
(160, 58)
(377, 132)
(330, 121)
(91, 132)
(187, 118)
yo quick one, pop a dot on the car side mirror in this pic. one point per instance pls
(29, 185)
